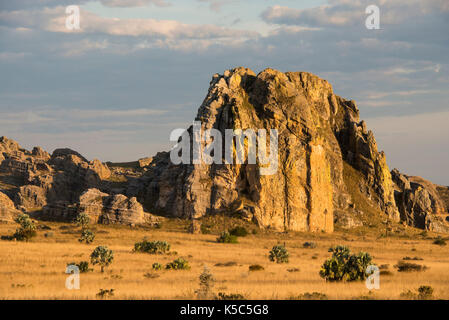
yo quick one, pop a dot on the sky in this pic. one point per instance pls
(137, 69)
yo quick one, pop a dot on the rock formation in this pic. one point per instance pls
(317, 132)
(329, 171)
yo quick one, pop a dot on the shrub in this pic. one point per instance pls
(151, 275)
(82, 220)
(102, 256)
(178, 264)
(309, 245)
(226, 237)
(293, 270)
(439, 241)
(27, 228)
(425, 292)
(344, 266)
(83, 266)
(409, 267)
(279, 254)
(206, 284)
(256, 267)
(87, 236)
(410, 258)
(226, 264)
(157, 266)
(105, 293)
(231, 296)
(152, 247)
(239, 232)
(310, 296)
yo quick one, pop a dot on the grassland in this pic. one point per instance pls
(36, 269)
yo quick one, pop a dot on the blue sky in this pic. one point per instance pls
(137, 69)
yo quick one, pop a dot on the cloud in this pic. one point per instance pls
(340, 13)
(34, 4)
(216, 5)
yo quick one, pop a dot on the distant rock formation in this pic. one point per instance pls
(54, 187)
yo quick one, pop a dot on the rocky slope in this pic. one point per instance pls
(330, 171)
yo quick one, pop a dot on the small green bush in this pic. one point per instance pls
(344, 266)
(152, 247)
(425, 292)
(206, 282)
(178, 264)
(256, 267)
(82, 220)
(83, 266)
(87, 236)
(230, 296)
(239, 232)
(309, 245)
(104, 293)
(410, 267)
(102, 256)
(310, 296)
(27, 228)
(439, 241)
(226, 237)
(279, 254)
(157, 266)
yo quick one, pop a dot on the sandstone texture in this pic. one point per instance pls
(330, 173)
(318, 132)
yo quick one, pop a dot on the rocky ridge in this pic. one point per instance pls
(330, 171)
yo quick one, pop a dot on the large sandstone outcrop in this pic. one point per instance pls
(317, 130)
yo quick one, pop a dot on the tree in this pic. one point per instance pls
(82, 220)
(87, 236)
(27, 228)
(102, 256)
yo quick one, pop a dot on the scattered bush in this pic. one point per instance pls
(152, 247)
(87, 236)
(409, 267)
(105, 293)
(344, 266)
(410, 258)
(425, 292)
(83, 266)
(102, 256)
(151, 275)
(239, 232)
(439, 241)
(310, 296)
(206, 284)
(226, 237)
(293, 270)
(82, 220)
(279, 254)
(27, 228)
(49, 234)
(256, 267)
(309, 245)
(230, 296)
(226, 264)
(205, 229)
(178, 264)
(157, 266)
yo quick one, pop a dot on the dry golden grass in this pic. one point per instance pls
(36, 270)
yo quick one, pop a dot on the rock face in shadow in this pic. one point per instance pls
(419, 203)
(8, 212)
(317, 131)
